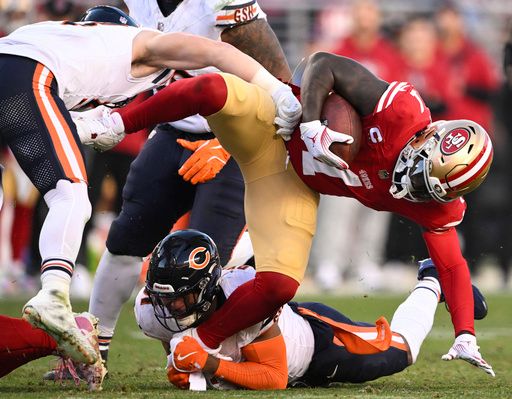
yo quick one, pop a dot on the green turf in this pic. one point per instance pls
(137, 363)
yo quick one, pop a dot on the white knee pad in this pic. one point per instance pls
(74, 196)
(69, 210)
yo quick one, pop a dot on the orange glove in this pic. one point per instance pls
(177, 378)
(187, 354)
(207, 160)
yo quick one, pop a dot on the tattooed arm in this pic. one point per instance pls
(257, 39)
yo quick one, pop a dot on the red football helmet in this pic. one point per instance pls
(443, 162)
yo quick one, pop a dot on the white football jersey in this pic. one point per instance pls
(296, 331)
(207, 18)
(89, 61)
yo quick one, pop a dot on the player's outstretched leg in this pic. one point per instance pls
(61, 234)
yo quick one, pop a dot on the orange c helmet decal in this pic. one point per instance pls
(192, 258)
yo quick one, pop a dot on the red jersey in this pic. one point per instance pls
(398, 115)
(471, 67)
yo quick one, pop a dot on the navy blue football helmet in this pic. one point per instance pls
(108, 14)
(183, 279)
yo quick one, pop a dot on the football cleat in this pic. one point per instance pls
(50, 311)
(67, 369)
(465, 348)
(428, 269)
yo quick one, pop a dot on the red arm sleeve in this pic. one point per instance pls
(265, 366)
(444, 249)
(204, 95)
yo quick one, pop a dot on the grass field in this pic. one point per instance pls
(136, 363)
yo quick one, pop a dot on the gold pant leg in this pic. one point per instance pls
(280, 209)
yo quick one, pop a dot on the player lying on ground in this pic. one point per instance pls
(188, 262)
(406, 164)
(306, 344)
(49, 68)
(20, 343)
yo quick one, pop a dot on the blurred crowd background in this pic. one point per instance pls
(452, 51)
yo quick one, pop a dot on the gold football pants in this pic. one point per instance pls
(280, 209)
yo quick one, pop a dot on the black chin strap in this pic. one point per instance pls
(168, 6)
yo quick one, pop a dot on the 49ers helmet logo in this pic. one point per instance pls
(203, 258)
(454, 140)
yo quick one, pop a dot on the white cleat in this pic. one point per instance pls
(99, 128)
(465, 348)
(50, 311)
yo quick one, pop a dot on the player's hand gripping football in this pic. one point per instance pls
(188, 355)
(288, 111)
(205, 163)
(319, 137)
(99, 128)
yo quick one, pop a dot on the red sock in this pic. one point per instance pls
(21, 343)
(203, 95)
(252, 302)
(454, 278)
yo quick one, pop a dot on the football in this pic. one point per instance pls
(341, 117)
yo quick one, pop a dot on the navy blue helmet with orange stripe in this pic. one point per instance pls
(182, 279)
(108, 14)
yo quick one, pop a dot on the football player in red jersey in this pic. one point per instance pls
(406, 165)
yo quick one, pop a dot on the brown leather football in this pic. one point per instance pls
(342, 117)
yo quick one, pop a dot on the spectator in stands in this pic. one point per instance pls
(424, 67)
(366, 44)
(473, 84)
(473, 76)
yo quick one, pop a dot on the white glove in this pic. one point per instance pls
(318, 138)
(288, 111)
(99, 128)
(465, 348)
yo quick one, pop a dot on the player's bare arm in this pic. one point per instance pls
(326, 72)
(154, 50)
(257, 39)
